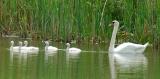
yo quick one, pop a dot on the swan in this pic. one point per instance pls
(14, 48)
(30, 48)
(50, 48)
(19, 48)
(22, 49)
(72, 50)
(126, 47)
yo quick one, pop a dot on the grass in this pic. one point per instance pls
(65, 20)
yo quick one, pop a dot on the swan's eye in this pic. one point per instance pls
(113, 22)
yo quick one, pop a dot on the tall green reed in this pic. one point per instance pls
(64, 20)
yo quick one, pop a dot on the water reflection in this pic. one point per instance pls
(21, 64)
(71, 58)
(49, 55)
(72, 65)
(69, 55)
(126, 66)
(21, 58)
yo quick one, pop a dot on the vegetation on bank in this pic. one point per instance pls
(64, 20)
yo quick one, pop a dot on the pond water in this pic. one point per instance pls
(92, 63)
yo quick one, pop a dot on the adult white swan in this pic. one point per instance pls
(125, 47)
(50, 49)
(72, 50)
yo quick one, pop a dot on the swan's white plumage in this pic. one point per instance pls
(30, 48)
(19, 48)
(49, 49)
(72, 50)
(124, 47)
(13, 48)
(130, 47)
(33, 48)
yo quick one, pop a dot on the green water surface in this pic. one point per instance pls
(92, 63)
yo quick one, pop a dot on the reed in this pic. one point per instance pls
(65, 20)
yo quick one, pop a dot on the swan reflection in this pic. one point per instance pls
(127, 64)
(50, 54)
(72, 56)
(21, 57)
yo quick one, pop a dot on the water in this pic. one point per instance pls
(92, 63)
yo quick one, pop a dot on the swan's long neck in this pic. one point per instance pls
(68, 46)
(12, 44)
(11, 47)
(113, 38)
(20, 46)
(26, 45)
(46, 47)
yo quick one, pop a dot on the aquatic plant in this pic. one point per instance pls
(67, 20)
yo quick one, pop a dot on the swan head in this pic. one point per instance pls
(68, 44)
(26, 43)
(115, 23)
(12, 43)
(20, 43)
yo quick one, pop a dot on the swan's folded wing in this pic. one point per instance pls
(51, 48)
(127, 47)
(74, 50)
